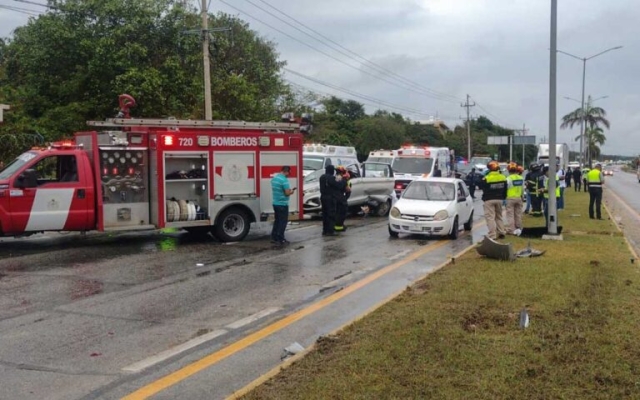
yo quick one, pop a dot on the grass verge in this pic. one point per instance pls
(455, 334)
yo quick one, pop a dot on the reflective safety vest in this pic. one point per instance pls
(515, 186)
(594, 178)
(546, 187)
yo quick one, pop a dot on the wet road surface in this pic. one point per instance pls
(103, 315)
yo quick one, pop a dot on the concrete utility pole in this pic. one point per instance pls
(3, 107)
(523, 131)
(551, 186)
(468, 107)
(205, 58)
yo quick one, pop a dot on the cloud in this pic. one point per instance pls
(494, 50)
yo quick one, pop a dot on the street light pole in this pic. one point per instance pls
(584, 76)
(551, 181)
(205, 61)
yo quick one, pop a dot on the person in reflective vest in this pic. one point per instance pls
(515, 189)
(342, 205)
(585, 181)
(544, 190)
(595, 179)
(494, 192)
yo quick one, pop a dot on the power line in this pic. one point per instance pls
(26, 11)
(358, 95)
(36, 4)
(350, 54)
(327, 54)
(498, 119)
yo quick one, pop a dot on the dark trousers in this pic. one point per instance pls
(281, 214)
(536, 205)
(341, 214)
(595, 198)
(472, 190)
(585, 184)
(328, 214)
(577, 185)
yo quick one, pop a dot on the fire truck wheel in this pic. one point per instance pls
(383, 209)
(232, 225)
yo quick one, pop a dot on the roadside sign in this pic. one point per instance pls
(531, 140)
(498, 140)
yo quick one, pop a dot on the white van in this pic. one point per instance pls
(318, 156)
(413, 162)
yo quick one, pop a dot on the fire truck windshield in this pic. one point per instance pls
(312, 163)
(16, 164)
(412, 165)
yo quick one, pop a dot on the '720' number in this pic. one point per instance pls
(186, 142)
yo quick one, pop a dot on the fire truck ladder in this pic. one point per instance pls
(189, 123)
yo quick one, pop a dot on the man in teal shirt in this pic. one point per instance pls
(281, 191)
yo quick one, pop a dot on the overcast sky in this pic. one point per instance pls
(494, 50)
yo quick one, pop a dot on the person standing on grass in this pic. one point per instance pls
(585, 182)
(494, 193)
(568, 177)
(281, 192)
(515, 186)
(596, 180)
(544, 190)
(562, 184)
(577, 179)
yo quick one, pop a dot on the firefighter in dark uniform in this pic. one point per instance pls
(328, 185)
(534, 182)
(342, 205)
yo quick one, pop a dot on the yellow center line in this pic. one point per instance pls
(213, 358)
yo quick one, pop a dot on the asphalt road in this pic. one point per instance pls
(106, 315)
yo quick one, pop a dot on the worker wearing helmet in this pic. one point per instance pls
(515, 189)
(342, 205)
(534, 183)
(494, 193)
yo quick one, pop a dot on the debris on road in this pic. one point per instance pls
(291, 350)
(529, 252)
(492, 249)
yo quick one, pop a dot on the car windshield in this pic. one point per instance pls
(16, 164)
(480, 160)
(384, 160)
(312, 163)
(413, 165)
(431, 191)
(314, 176)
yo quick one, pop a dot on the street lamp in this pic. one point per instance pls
(584, 74)
(592, 100)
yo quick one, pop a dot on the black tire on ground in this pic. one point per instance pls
(454, 230)
(383, 209)
(392, 233)
(469, 224)
(232, 225)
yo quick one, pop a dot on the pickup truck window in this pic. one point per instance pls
(56, 169)
(313, 163)
(16, 164)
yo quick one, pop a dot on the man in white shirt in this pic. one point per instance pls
(563, 186)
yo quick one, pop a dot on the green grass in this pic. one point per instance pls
(455, 335)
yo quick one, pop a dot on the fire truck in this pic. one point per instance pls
(143, 174)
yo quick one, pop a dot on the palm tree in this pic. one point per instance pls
(595, 139)
(593, 118)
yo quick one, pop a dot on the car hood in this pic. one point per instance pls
(422, 207)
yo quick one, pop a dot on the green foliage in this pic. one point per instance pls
(69, 65)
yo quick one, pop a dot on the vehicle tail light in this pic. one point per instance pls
(115, 171)
(398, 185)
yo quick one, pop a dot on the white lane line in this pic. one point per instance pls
(148, 362)
(399, 255)
(252, 318)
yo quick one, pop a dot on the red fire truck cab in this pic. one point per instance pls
(201, 176)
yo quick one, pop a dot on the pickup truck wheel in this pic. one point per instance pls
(454, 229)
(393, 234)
(383, 209)
(232, 225)
(469, 224)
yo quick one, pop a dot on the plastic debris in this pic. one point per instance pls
(529, 252)
(291, 350)
(524, 319)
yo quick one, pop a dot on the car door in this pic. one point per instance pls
(464, 204)
(378, 178)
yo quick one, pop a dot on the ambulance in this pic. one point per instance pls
(143, 174)
(411, 162)
(318, 156)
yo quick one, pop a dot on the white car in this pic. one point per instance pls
(432, 206)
